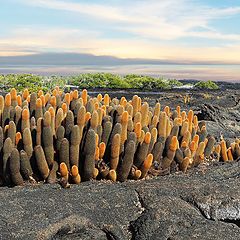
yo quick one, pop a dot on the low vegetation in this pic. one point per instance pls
(93, 80)
(206, 85)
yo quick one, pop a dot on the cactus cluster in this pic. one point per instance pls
(72, 137)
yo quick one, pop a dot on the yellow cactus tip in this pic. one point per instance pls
(112, 175)
(63, 169)
(125, 117)
(53, 101)
(102, 148)
(174, 144)
(39, 103)
(87, 116)
(95, 173)
(74, 171)
(25, 114)
(64, 107)
(147, 137)
(18, 136)
(148, 162)
(8, 100)
(13, 93)
(52, 111)
(75, 94)
(138, 129)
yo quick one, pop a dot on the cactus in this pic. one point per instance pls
(142, 150)
(64, 171)
(14, 167)
(6, 110)
(224, 151)
(1, 141)
(203, 134)
(138, 130)
(107, 128)
(39, 109)
(229, 154)
(124, 122)
(190, 120)
(13, 94)
(52, 177)
(84, 97)
(102, 148)
(137, 119)
(115, 151)
(27, 142)
(209, 148)
(7, 149)
(184, 128)
(52, 124)
(11, 133)
(199, 156)
(69, 123)
(25, 166)
(109, 136)
(25, 119)
(89, 151)
(41, 162)
(170, 154)
(162, 125)
(47, 142)
(94, 121)
(127, 162)
(1, 104)
(90, 106)
(64, 153)
(184, 164)
(237, 151)
(32, 106)
(74, 145)
(106, 100)
(144, 111)
(59, 118)
(76, 178)
(217, 152)
(146, 165)
(112, 175)
(158, 149)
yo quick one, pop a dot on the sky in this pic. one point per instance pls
(174, 30)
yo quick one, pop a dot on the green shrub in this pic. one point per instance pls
(206, 85)
(98, 80)
(146, 82)
(87, 80)
(30, 81)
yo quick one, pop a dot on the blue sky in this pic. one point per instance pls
(183, 30)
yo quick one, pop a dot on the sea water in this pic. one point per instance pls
(216, 72)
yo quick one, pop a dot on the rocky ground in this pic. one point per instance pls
(202, 204)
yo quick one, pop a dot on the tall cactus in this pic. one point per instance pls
(89, 151)
(41, 162)
(75, 145)
(14, 166)
(127, 162)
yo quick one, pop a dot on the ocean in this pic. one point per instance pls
(229, 73)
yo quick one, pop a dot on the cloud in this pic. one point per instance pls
(30, 40)
(153, 19)
(95, 10)
(154, 26)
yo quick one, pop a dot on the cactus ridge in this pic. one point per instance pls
(84, 138)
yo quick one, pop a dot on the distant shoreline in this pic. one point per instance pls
(226, 73)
